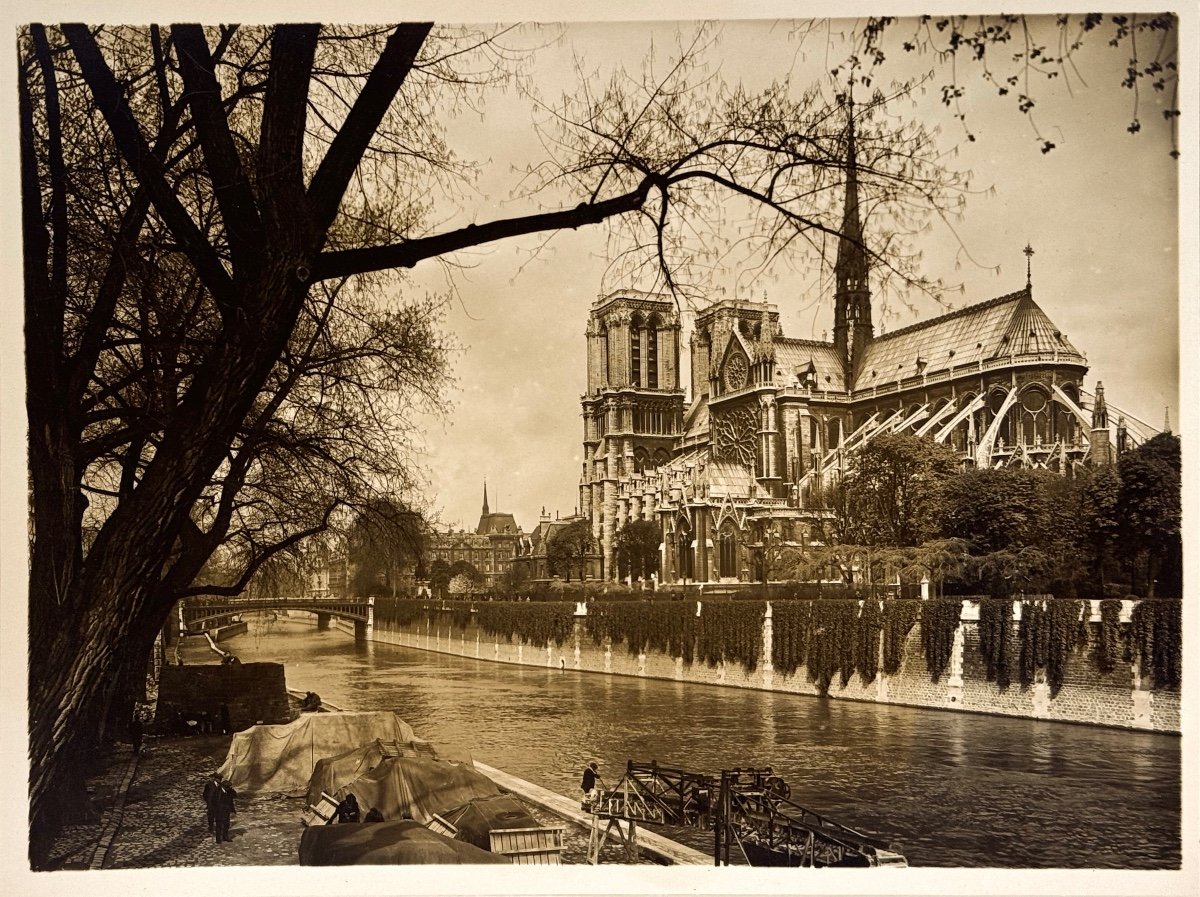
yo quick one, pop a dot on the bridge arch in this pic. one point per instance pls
(199, 614)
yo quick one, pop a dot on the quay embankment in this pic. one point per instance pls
(146, 811)
(945, 654)
(1011, 792)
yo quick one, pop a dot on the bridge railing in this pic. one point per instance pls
(209, 610)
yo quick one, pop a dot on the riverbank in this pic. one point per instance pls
(1121, 697)
(1010, 793)
(148, 813)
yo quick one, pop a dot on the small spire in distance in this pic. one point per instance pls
(485, 504)
(1099, 409)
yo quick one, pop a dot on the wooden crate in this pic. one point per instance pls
(321, 812)
(529, 846)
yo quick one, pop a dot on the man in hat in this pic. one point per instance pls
(218, 798)
(591, 775)
(211, 787)
(223, 808)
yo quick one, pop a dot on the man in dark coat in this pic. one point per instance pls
(135, 733)
(590, 775)
(211, 787)
(223, 798)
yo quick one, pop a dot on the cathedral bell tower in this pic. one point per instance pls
(633, 408)
(852, 327)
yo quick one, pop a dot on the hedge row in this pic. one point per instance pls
(837, 638)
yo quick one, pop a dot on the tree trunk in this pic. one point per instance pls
(73, 654)
(130, 681)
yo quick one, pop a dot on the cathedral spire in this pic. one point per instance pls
(852, 327)
(485, 506)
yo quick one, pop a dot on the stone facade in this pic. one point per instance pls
(490, 548)
(771, 421)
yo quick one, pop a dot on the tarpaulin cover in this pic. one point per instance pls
(332, 773)
(402, 842)
(280, 759)
(476, 820)
(417, 787)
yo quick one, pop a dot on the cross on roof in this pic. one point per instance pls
(1028, 250)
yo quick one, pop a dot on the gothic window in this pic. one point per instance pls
(1035, 417)
(635, 350)
(604, 365)
(652, 353)
(683, 549)
(728, 557)
(735, 373)
(1034, 400)
(833, 436)
(735, 435)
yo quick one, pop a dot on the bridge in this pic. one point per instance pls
(202, 613)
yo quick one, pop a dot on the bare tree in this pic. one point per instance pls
(192, 201)
(1017, 56)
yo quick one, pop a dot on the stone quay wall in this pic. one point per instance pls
(1122, 699)
(253, 692)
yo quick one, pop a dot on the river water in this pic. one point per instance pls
(947, 789)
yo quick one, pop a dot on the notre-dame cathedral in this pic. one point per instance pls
(768, 422)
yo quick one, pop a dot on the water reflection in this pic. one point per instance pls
(949, 789)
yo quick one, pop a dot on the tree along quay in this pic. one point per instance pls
(948, 789)
(1110, 663)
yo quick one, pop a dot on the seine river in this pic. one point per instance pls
(948, 789)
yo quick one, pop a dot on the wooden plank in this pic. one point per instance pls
(323, 811)
(662, 850)
(441, 826)
(529, 846)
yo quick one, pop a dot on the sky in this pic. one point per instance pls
(1100, 212)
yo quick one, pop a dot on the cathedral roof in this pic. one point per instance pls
(792, 356)
(695, 422)
(726, 478)
(1008, 325)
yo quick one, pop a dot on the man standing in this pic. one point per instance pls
(591, 776)
(223, 799)
(211, 787)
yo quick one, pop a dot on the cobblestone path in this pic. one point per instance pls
(164, 824)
